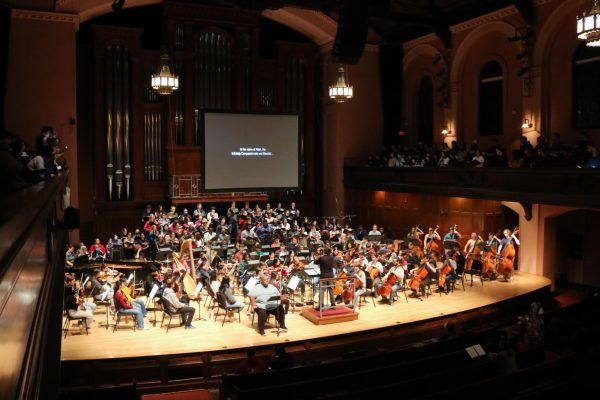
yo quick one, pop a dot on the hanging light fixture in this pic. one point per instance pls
(341, 91)
(165, 82)
(588, 26)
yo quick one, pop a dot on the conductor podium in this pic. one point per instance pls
(329, 315)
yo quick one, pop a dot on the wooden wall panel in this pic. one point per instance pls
(398, 212)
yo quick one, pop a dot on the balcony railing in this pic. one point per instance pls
(185, 188)
(572, 187)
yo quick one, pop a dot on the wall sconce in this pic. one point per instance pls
(526, 124)
(446, 132)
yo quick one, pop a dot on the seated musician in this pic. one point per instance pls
(101, 289)
(128, 306)
(360, 283)
(176, 306)
(225, 289)
(432, 273)
(259, 298)
(77, 306)
(396, 269)
(296, 266)
(450, 276)
(97, 250)
(374, 231)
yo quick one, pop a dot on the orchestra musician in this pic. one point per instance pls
(430, 237)
(125, 306)
(471, 243)
(507, 250)
(360, 284)
(176, 306)
(259, 299)
(101, 289)
(397, 270)
(75, 302)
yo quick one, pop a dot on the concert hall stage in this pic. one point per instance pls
(210, 336)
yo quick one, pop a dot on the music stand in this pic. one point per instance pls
(278, 299)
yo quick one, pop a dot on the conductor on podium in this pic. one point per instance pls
(327, 263)
(260, 298)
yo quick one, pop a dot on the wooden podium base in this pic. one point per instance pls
(340, 314)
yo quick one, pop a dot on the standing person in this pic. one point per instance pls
(326, 263)
(259, 298)
(232, 216)
(175, 306)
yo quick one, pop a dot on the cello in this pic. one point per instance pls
(386, 289)
(446, 269)
(415, 282)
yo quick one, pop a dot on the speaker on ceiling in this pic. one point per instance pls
(351, 32)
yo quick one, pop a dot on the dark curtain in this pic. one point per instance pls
(390, 68)
(426, 111)
(4, 36)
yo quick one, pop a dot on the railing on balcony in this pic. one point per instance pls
(185, 188)
(564, 186)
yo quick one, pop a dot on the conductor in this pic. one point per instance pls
(327, 263)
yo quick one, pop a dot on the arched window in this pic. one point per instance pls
(586, 88)
(426, 111)
(490, 99)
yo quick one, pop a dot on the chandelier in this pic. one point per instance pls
(588, 26)
(165, 82)
(341, 91)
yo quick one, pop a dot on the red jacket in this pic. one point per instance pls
(121, 301)
(102, 248)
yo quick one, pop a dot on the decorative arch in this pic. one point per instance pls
(474, 37)
(564, 12)
(317, 26)
(417, 52)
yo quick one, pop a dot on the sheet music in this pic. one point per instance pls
(293, 283)
(198, 289)
(480, 351)
(471, 351)
(312, 271)
(130, 278)
(251, 283)
(153, 291)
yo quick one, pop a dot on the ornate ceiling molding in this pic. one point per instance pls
(45, 16)
(427, 39)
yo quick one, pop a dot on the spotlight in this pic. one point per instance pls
(117, 5)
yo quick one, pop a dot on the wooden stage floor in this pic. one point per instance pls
(210, 336)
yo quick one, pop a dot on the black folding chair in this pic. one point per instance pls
(167, 307)
(68, 320)
(222, 303)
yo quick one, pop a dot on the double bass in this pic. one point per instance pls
(508, 256)
(474, 254)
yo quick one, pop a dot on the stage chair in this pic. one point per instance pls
(119, 314)
(475, 270)
(403, 290)
(222, 305)
(165, 305)
(369, 291)
(68, 320)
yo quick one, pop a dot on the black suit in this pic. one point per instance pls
(327, 263)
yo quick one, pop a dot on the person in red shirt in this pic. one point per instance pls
(97, 250)
(127, 307)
